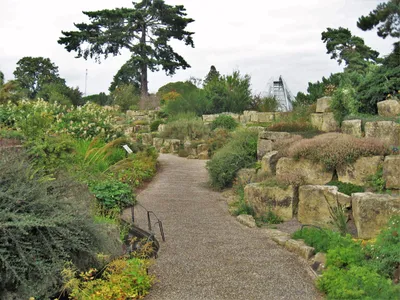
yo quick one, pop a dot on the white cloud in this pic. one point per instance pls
(263, 38)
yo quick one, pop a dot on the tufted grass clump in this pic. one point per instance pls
(224, 121)
(335, 150)
(181, 129)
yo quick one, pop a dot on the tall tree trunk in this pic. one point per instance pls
(144, 89)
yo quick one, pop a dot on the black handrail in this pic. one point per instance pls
(149, 213)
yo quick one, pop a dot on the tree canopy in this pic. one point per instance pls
(386, 17)
(145, 30)
(212, 74)
(129, 73)
(347, 48)
(1, 78)
(34, 72)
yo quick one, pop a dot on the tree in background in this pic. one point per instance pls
(34, 72)
(386, 17)
(129, 73)
(126, 97)
(1, 79)
(350, 49)
(61, 93)
(212, 74)
(229, 93)
(145, 30)
(101, 99)
(11, 91)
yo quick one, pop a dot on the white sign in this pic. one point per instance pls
(127, 149)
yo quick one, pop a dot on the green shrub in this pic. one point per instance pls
(121, 279)
(224, 121)
(344, 102)
(44, 223)
(356, 282)
(239, 153)
(347, 188)
(322, 240)
(270, 218)
(344, 256)
(335, 150)
(193, 129)
(241, 207)
(376, 181)
(265, 104)
(194, 102)
(112, 194)
(229, 93)
(181, 87)
(218, 138)
(126, 96)
(154, 125)
(385, 252)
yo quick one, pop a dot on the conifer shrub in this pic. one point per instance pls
(44, 222)
(239, 153)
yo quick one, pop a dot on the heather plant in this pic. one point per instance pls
(45, 222)
(335, 150)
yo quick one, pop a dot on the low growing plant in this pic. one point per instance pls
(224, 121)
(347, 188)
(113, 194)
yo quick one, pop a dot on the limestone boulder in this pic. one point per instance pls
(158, 143)
(147, 139)
(268, 163)
(202, 148)
(248, 115)
(236, 117)
(246, 176)
(277, 199)
(263, 146)
(277, 236)
(247, 220)
(352, 127)
(315, 202)
(266, 117)
(359, 171)
(300, 248)
(324, 122)
(302, 171)
(161, 127)
(203, 155)
(174, 145)
(141, 128)
(210, 118)
(323, 105)
(389, 108)
(391, 171)
(387, 131)
(372, 212)
(274, 135)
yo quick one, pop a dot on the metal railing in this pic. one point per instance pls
(149, 213)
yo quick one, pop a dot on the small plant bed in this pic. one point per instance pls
(347, 188)
(357, 269)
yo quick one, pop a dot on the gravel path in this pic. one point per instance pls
(208, 254)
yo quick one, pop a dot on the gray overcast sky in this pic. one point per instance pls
(263, 38)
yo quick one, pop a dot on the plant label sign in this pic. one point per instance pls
(127, 149)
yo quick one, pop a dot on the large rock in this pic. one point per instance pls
(203, 155)
(274, 135)
(266, 117)
(268, 163)
(300, 248)
(174, 145)
(389, 108)
(277, 199)
(209, 118)
(302, 171)
(324, 122)
(247, 220)
(359, 171)
(387, 131)
(246, 176)
(352, 127)
(323, 105)
(372, 212)
(135, 113)
(248, 116)
(147, 139)
(391, 171)
(315, 202)
(263, 146)
(158, 143)
(202, 148)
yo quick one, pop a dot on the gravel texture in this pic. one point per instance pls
(207, 253)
